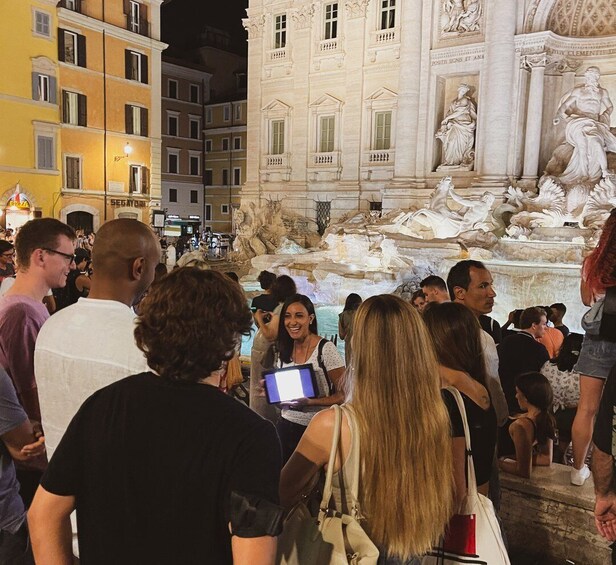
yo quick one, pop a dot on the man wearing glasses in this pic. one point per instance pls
(45, 250)
(7, 252)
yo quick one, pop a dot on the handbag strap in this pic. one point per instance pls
(327, 489)
(471, 481)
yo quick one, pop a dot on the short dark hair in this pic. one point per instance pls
(352, 302)
(435, 281)
(460, 275)
(283, 287)
(38, 234)
(5, 246)
(266, 279)
(531, 316)
(233, 276)
(560, 307)
(191, 321)
(285, 341)
(417, 294)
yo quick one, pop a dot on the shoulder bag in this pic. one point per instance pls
(331, 537)
(474, 536)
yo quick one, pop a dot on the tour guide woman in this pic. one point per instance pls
(298, 344)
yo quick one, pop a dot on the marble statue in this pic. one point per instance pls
(443, 221)
(462, 16)
(457, 132)
(586, 109)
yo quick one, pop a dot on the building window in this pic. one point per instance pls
(238, 112)
(173, 161)
(194, 93)
(134, 19)
(138, 179)
(208, 145)
(326, 134)
(382, 130)
(388, 14)
(376, 206)
(209, 177)
(208, 115)
(195, 165)
(173, 195)
(323, 216)
(72, 171)
(136, 66)
(224, 208)
(172, 88)
(195, 128)
(208, 212)
(277, 137)
(237, 143)
(194, 197)
(237, 176)
(45, 156)
(331, 21)
(71, 48)
(172, 125)
(43, 88)
(225, 144)
(74, 5)
(225, 177)
(74, 109)
(280, 31)
(226, 113)
(42, 23)
(136, 119)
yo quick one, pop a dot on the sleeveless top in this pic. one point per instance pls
(342, 480)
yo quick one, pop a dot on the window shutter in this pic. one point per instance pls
(61, 44)
(145, 180)
(53, 85)
(65, 108)
(82, 104)
(81, 51)
(144, 122)
(127, 65)
(127, 7)
(144, 69)
(35, 86)
(78, 6)
(128, 118)
(143, 21)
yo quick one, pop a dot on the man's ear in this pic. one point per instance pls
(137, 267)
(459, 293)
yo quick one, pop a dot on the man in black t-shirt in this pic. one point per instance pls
(265, 302)
(603, 462)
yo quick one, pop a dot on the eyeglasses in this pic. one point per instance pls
(71, 258)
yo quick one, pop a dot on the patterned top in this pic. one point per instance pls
(565, 385)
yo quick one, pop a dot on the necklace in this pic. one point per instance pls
(295, 351)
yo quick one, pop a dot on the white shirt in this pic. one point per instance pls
(79, 350)
(490, 355)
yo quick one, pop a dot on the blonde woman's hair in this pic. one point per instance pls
(407, 471)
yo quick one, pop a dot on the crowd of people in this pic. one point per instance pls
(120, 442)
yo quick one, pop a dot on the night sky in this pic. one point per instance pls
(182, 21)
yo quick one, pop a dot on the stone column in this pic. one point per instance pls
(254, 24)
(408, 92)
(534, 114)
(497, 89)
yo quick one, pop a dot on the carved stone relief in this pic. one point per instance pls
(254, 26)
(302, 16)
(461, 16)
(356, 8)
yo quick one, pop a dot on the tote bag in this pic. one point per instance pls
(474, 535)
(331, 537)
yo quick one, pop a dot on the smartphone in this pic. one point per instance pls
(290, 383)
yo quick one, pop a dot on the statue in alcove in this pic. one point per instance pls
(582, 159)
(457, 132)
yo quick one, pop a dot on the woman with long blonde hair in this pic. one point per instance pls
(395, 406)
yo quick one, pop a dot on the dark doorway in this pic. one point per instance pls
(81, 221)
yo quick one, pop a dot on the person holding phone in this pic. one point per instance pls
(298, 343)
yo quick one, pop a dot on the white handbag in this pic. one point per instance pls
(331, 537)
(474, 536)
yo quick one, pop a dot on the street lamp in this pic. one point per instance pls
(127, 151)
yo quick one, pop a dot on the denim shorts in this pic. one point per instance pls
(597, 357)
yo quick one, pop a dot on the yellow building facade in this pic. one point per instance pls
(30, 164)
(109, 61)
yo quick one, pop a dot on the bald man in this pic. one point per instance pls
(90, 344)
